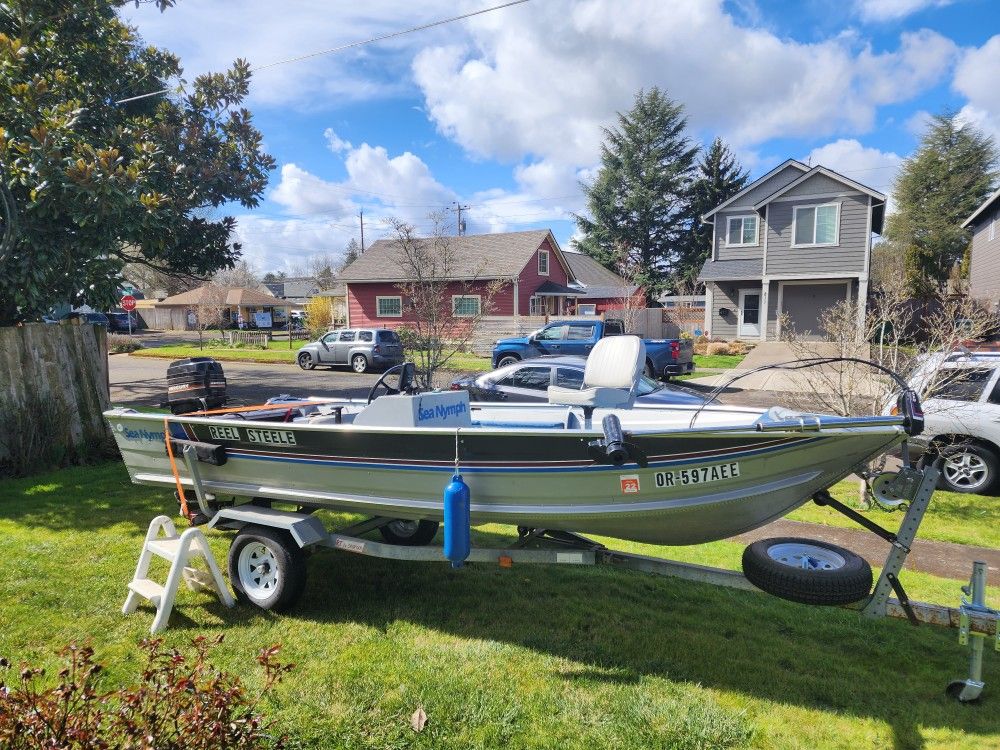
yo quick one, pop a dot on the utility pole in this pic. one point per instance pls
(459, 228)
(361, 214)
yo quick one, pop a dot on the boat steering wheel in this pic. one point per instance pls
(406, 371)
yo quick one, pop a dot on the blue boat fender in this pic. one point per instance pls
(457, 521)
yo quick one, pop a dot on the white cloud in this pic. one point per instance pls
(893, 10)
(869, 166)
(334, 142)
(976, 78)
(544, 83)
(209, 34)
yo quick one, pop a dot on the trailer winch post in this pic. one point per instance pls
(888, 580)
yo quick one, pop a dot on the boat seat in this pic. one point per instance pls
(611, 377)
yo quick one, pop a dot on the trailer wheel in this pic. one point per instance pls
(409, 533)
(266, 568)
(807, 571)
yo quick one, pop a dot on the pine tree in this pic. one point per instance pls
(639, 204)
(949, 176)
(719, 177)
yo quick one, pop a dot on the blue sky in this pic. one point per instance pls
(503, 112)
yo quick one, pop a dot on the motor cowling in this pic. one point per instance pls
(195, 383)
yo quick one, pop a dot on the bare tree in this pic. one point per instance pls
(210, 313)
(242, 276)
(631, 301)
(445, 302)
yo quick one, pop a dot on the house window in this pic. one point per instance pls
(816, 225)
(389, 307)
(742, 231)
(543, 262)
(586, 309)
(465, 306)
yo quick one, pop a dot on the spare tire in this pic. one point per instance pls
(807, 571)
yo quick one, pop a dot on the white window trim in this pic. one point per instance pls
(378, 306)
(756, 235)
(591, 305)
(479, 305)
(815, 207)
(548, 260)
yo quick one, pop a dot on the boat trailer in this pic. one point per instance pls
(976, 622)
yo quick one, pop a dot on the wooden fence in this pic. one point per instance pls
(63, 364)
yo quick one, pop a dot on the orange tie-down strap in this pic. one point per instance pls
(290, 405)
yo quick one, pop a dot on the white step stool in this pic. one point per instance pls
(178, 549)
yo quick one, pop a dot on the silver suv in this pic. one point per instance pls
(962, 418)
(359, 348)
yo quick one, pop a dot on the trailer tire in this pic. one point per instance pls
(409, 533)
(807, 571)
(266, 568)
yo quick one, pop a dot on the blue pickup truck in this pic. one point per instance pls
(664, 357)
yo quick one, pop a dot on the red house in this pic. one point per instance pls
(535, 277)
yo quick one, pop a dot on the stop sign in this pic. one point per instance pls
(128, 303)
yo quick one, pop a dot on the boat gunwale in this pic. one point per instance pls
(849, 425)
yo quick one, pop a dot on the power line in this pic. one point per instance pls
(343, 47)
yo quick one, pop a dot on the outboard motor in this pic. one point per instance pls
(194, 384)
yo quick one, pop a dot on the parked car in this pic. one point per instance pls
(360, 348)
(118, 322)
(961, 418)
(529, 381)
(94, 318)
(664, 357)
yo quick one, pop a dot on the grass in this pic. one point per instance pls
(717, 361)
(952, 517)
(279, 352)
(533, 657)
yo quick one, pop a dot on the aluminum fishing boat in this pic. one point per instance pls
(587, 462)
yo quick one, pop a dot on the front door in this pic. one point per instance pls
(749, 314)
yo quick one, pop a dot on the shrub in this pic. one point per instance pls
(34, 435)
(718, 347)
(119, 344)
(180, 702)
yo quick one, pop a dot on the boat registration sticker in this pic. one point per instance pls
(697, 475)
(629, 484)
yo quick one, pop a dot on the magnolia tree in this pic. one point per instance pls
(434, 300)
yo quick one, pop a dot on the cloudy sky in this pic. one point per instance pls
(503, 112)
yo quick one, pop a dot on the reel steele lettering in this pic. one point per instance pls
(253, 435)
(697, 475)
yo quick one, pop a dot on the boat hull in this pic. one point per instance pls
(698, 486)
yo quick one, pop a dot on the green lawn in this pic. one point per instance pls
(278, 351)
(953, 516)
(533, 657)
(717, 361)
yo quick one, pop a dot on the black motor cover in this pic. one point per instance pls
(195, 383)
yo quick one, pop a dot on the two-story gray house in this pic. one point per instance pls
(795, 241)
(984, 257)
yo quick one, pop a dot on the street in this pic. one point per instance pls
(143, 381)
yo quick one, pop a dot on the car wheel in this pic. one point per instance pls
(807, 571)
(359, 363)
(507, 359)
(266, 568)
(409, 533)
(305, 361)
(968, 468)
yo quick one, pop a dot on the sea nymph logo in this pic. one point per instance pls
(629, 484)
